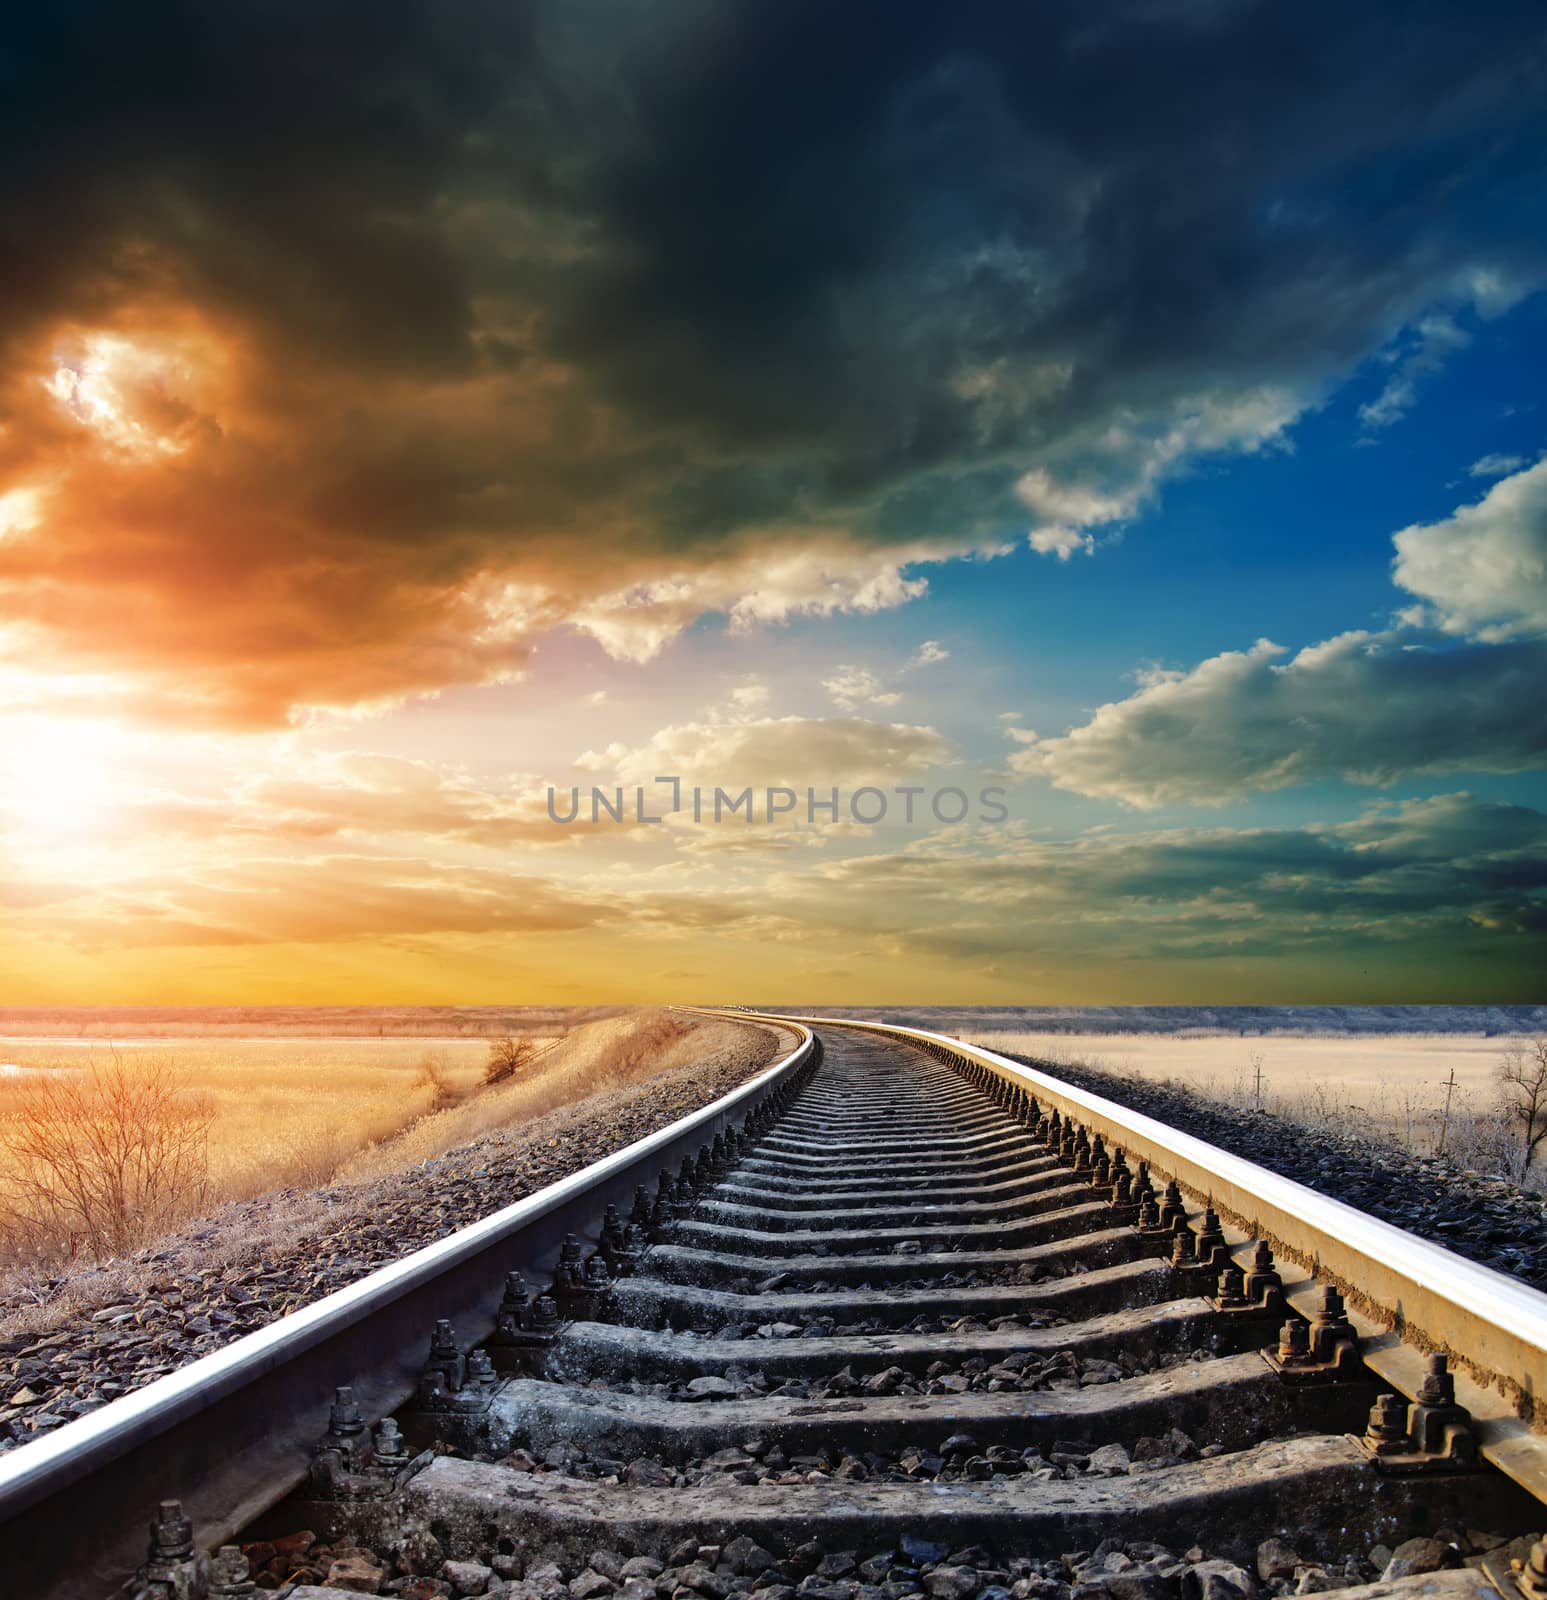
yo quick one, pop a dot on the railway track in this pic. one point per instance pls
(913, 1322)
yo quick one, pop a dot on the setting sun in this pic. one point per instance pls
(55, 783)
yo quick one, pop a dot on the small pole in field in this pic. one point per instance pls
(1450, 1086)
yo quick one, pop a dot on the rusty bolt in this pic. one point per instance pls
(344, 1419)
(1439, 1385)
(1294, 1341)
(229, 1575)
(171, 1534)
(391, 1447)
(1533, 1573)
(1332, 1309)
(1230, 1287)
(1386, 1434)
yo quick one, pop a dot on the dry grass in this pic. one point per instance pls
(274, 1229)
(285, 1112)
(593, 1058)
(1394, 1087)
(306, 1113)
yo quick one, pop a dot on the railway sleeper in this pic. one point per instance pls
(1226, 1504)
(787, 1195)
(904, 1210)
(1075, 1251)
(587, 1350)
(649, 1302)
(1224, 1404)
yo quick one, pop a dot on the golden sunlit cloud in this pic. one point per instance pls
(136, 394)
(20, 511)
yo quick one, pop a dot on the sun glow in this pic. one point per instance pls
(56, 781)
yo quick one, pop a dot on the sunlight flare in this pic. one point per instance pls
(57, 781)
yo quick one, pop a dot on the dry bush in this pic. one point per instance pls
(508, 1058)
(101, 1160)
(1522, 1087)
(288, 1113)
(434, 1078)
(1479, 1138)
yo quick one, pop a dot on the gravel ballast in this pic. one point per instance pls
(915, 1569)
(255, 1261)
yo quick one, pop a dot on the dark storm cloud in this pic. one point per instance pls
(575, 296)
(1471, 870)
(282, 161)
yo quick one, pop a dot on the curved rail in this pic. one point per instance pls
(1410, 1295)
(206, 1434)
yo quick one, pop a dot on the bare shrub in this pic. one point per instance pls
(1522, 1085)
(508, 1058)
(1480, 1137)
(435, 1076)
(104, 1159)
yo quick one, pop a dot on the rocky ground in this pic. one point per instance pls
(1485, 1218)
(955, 1459)
(1019, 1371)
(826, 1327)
(916, 1569)
(1017, 1273)
(102, 1332)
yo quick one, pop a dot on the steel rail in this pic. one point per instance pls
(1406, 1294)
(230, 1434)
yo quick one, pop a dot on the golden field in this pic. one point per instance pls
(285, 1111)
(299, 1112)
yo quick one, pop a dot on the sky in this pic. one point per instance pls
(1134, 412)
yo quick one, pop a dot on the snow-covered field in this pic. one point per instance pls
(1397, 1081)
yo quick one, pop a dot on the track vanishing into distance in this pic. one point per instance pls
(898, 1319)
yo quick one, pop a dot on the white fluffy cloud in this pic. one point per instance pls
(1436, 337)
(1367, 708)
(851, 687)
(1454, 687)
(1483, 569)
(1114, 474)
(1495, 465)
(821, 578)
